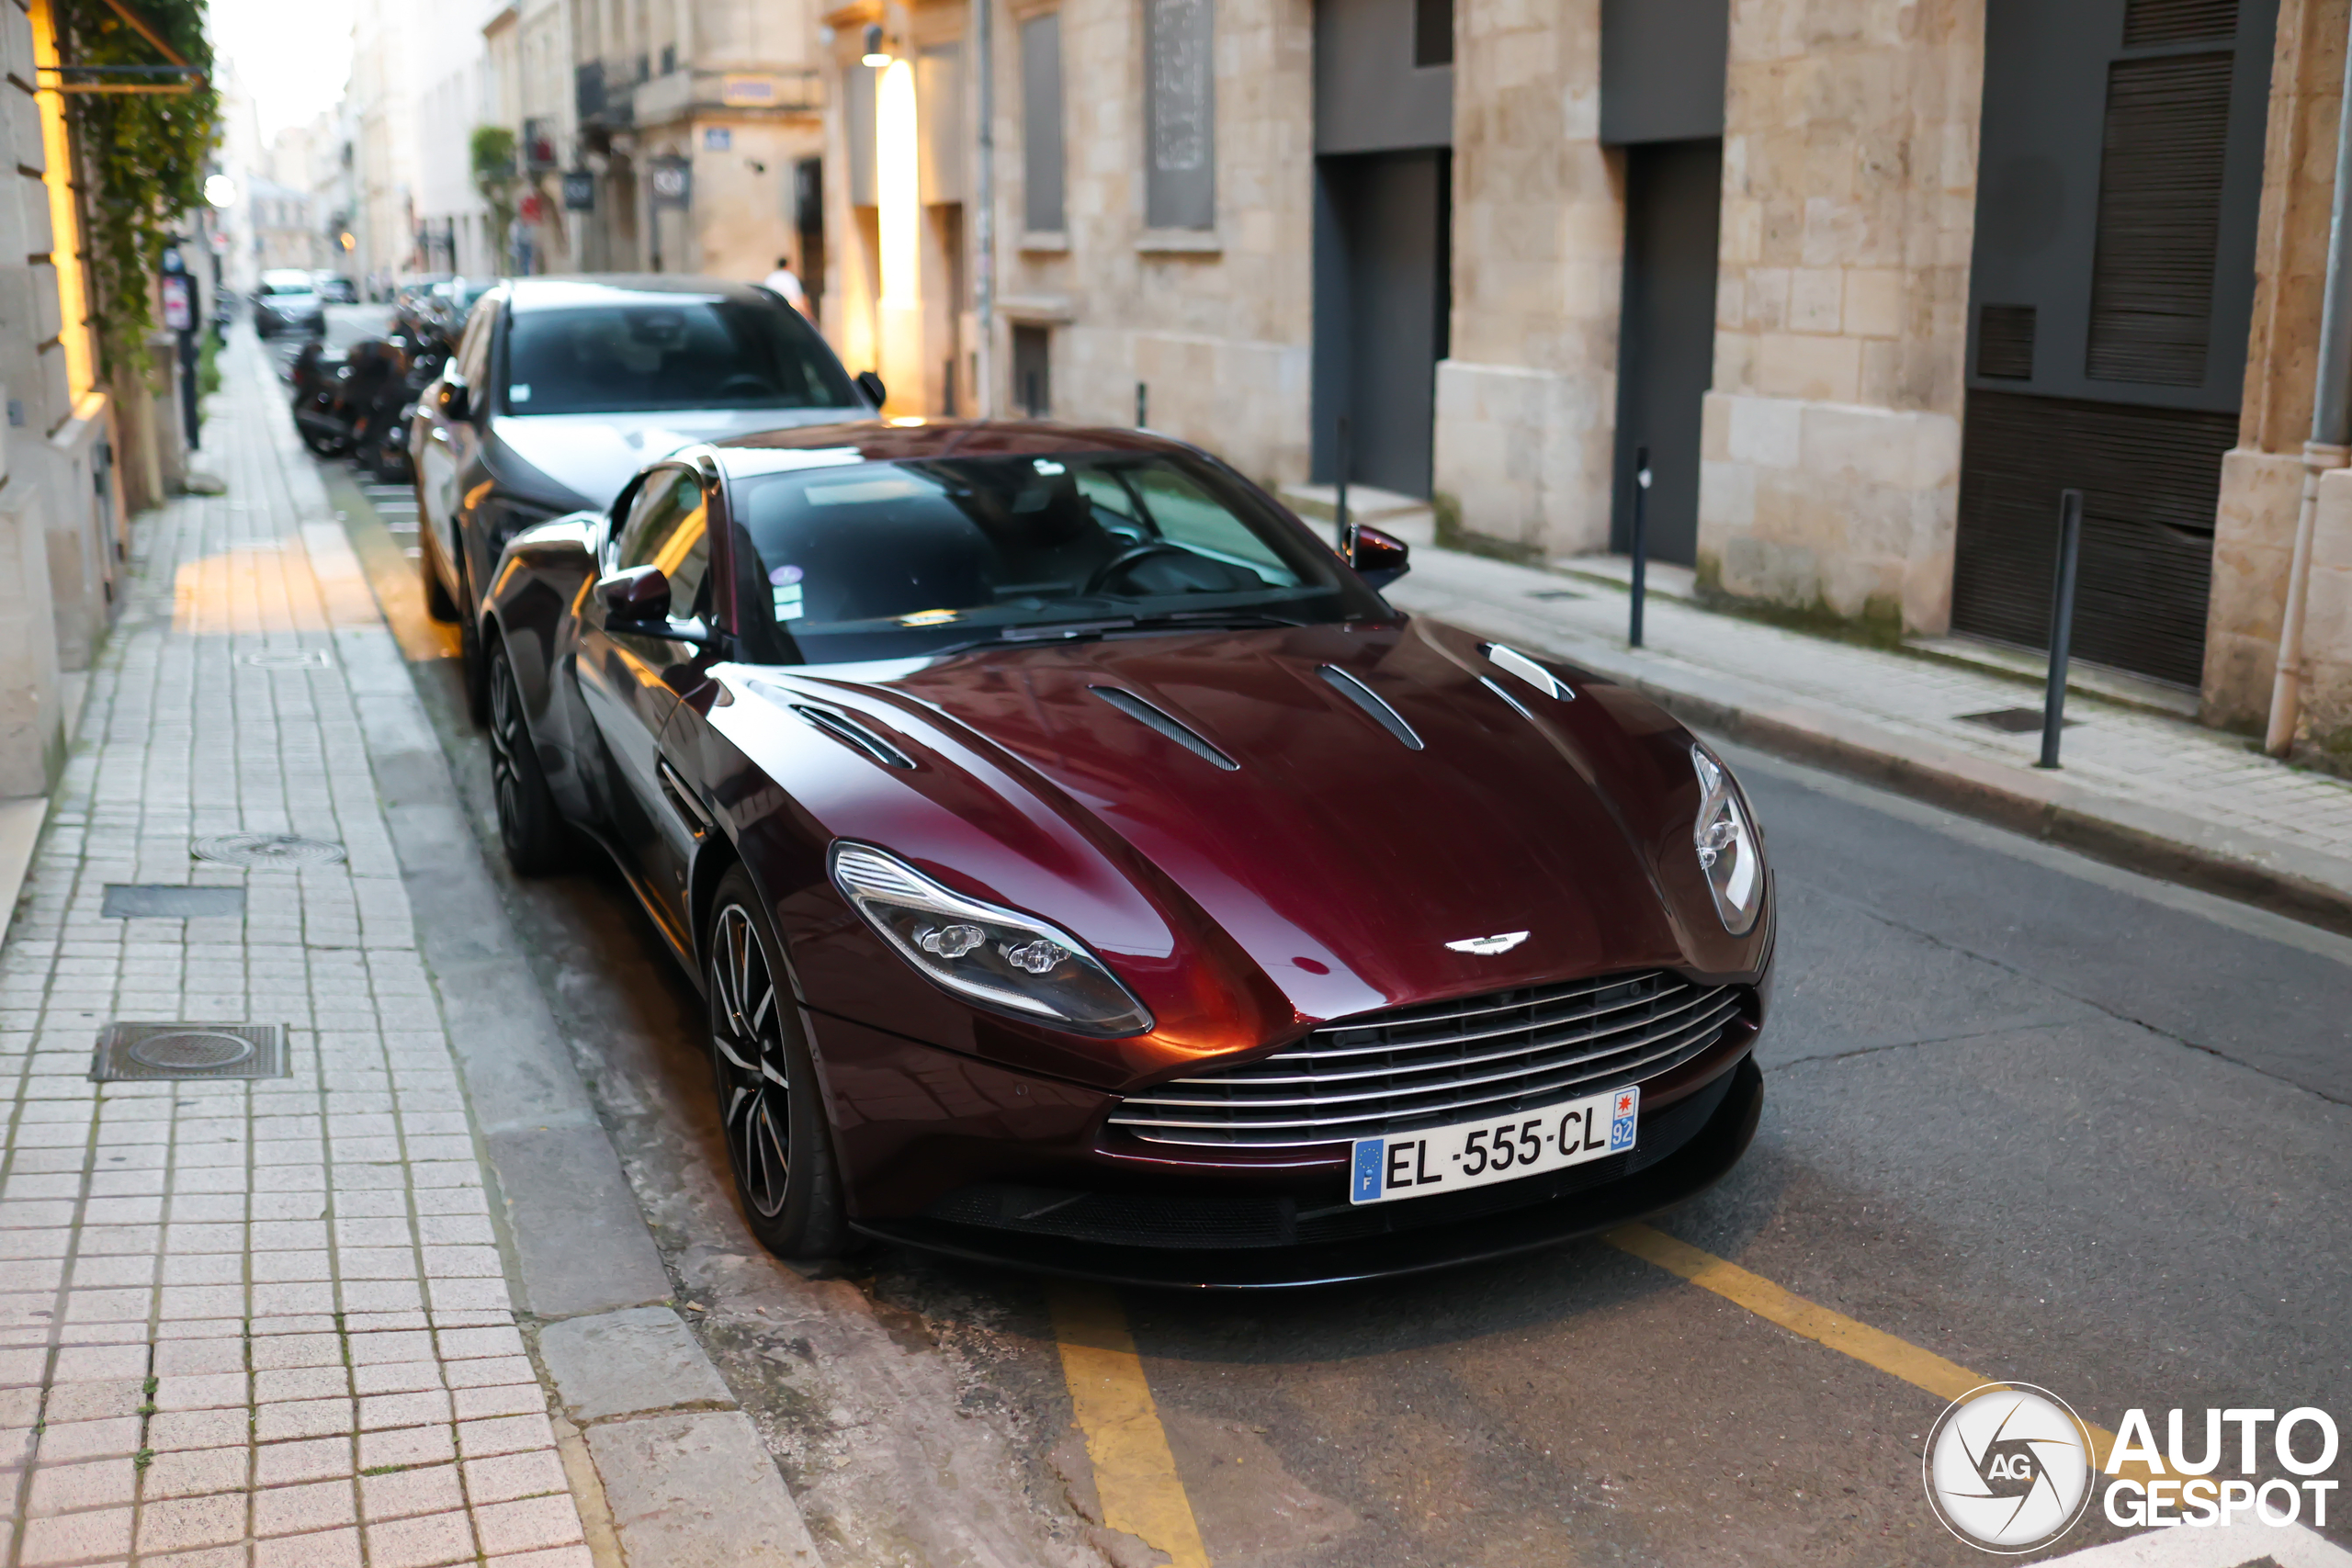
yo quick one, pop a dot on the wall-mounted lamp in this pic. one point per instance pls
(877, 54)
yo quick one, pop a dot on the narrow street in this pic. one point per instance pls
(2048, 1120)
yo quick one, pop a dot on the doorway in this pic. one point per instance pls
(1382, 297)
(1665, 353)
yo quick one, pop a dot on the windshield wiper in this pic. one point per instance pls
(1086, 631)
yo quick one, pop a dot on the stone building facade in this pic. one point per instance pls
(1865, 334)
(61, 528)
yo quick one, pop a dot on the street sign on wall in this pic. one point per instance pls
(673, 182)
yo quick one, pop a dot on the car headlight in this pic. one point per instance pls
(1012, 963)
(1730, 852)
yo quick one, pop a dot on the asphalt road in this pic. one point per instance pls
(2051, 1121)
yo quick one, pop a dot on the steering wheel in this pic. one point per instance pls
(1111, 569)
(743, 383)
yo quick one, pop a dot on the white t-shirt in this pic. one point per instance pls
(783, 281)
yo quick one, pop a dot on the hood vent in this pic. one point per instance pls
(854, 735)
(1167, 723)
(1364, 697)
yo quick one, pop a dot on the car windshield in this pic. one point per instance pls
(687, 354)
(889, 560)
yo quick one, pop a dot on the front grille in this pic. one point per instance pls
(1195, 1223)
(1424, 1067)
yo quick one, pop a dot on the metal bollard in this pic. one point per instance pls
(1340, 504)
(1143, 406)
(2062, 623)
(1641, 539)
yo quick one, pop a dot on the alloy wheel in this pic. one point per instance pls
(747, 1051)
(506, 734)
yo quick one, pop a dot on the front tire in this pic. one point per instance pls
(770, 1112)
(530, 828)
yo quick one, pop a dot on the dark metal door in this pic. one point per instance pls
(1665, 353)
(2112, 290)
(1381, 281)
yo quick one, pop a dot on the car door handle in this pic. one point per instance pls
(682, 799)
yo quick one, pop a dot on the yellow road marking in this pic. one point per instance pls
(1135, 1472)
(1872, 1346)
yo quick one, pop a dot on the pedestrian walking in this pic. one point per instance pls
(786, 282)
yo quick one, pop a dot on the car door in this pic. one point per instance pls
(631, 679)
(471, 367)
(437, 456)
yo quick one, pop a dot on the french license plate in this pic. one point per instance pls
(1479, 1154)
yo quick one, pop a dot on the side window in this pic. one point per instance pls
(1190, 516)
(667, 527)
(473, 352)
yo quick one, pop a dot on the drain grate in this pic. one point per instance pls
(308, 658)
(133, 1053)
(135, 900)
(266, 852)
(2015, 721)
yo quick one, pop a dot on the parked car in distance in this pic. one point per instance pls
(287, 301)
(561, 388)
(336, 290)
(1087, 869)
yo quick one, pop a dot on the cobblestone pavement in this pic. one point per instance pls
(2128, 754)
(262, 1321)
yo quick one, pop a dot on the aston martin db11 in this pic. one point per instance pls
(1086, 868)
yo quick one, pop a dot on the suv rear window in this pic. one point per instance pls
(687, 354)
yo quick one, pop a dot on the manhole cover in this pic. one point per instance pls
(136, 1052)
(266, 852)
(2016, 721)
(135, 900)
(194, 1050)
(311, 659)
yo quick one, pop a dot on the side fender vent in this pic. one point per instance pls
(857, 737)
(1167, 723)
(1364, 697)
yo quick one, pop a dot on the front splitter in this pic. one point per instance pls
(1706, 1159)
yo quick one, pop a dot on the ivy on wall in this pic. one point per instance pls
(142, 157)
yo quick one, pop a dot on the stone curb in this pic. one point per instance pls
(2303, 884)
(661, 1486)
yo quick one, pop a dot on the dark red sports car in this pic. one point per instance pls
(1088, 869)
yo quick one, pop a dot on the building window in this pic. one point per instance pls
(1180, 116)
(1033, 387)
(1433, 32)
(1041, 123)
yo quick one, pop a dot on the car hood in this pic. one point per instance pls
(593, 455)
(1341, 861)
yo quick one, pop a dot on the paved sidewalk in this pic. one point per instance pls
(258, 1323)
(2140, 787)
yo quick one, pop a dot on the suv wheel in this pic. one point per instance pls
(530, 828)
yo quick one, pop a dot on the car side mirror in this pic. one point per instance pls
(640, 594)
(1379, 558)
(456, 399)
(871, 385)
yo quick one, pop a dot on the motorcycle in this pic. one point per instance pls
(357, 403)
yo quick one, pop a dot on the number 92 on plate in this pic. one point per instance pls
(1479, 1153)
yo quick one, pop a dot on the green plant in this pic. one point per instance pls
(208, 366)
(494, 177)
(141, 157)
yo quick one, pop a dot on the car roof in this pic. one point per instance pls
(884, 441)
(526, 294)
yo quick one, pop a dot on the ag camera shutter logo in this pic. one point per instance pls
(2008, 1468)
